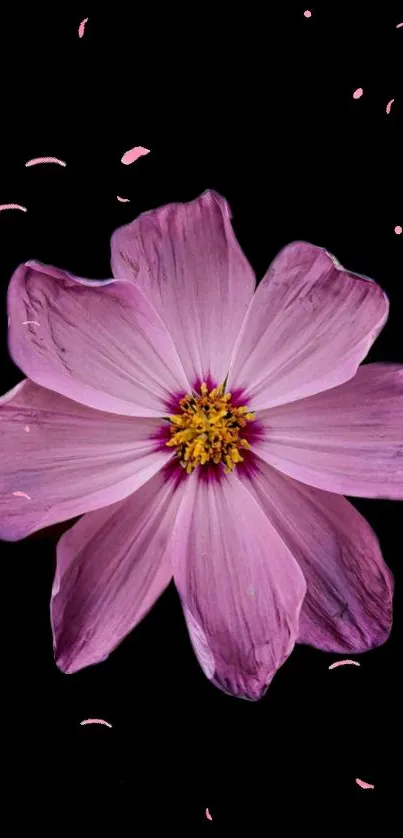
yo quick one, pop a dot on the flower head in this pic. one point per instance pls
(206, 431)
(209, 429)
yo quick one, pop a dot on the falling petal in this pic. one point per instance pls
(399, 25)
(398, 229)
(12, 206)
(95, 722)
(27, 428)
(358, 93)
(343, 663)
(81, 28)
(363, 784)
(134, 154)
(208, 815)
(307, 13)
(389, 105)
(123, 200)
(25, 322)
(36, 160)
(21, 495)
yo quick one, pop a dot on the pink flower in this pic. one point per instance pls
(244, 509)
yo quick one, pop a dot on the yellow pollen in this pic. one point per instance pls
(209, 429)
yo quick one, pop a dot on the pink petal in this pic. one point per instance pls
(308, 327)
(363, 784)
(133, 154)
(348, 606)
(99, 343)
(73, 459)
(186, 259)
(240, 588)
(111, 568)
(347, 440)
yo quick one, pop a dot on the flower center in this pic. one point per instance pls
(209, 429)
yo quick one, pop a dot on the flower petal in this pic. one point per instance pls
(347, 440)
(60, 459)
(111, 568)
(308, 327)
(186, 259)
(348, 606)
(99, 343)
(240, 587)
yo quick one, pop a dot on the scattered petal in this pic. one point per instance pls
(363, 784)
(21, 495)
(343, 663)
(27, 428)
(25, 322)
(307, 13)
(389, 105)
(398, 229)
(358, 93)
(208, 815)
(12, 206)
(81, 28)
(36, 160)
(95, 722)
(133, 154)
(123, 200)
(399, 25)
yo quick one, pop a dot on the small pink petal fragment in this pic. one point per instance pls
(21, 495)
(12, 206)
(363, 784)
(358, 93)
(27, 428)
(343, 663)
(81, 28)
(208, 815)
(123, 200)
(134, 154)
(24, 322)
(398, 229)
(95, 722)
(307, 13)
(36, 160)
(389, 105)
(399, 25)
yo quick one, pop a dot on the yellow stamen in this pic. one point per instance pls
(208, 429)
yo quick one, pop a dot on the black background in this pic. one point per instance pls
(258, 105)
